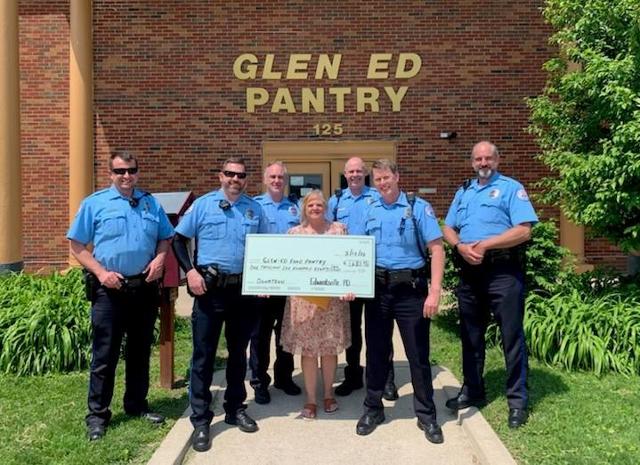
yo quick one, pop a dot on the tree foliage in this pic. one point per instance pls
(587, 121)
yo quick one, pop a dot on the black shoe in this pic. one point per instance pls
(517, 417)
(368, 422)
(200, 440)
(462, 401)
(289, 387)
(243, 421)
(153, 418)
(96, 432)
(348, 386)
(432, 432)
(390, 391)
(262, 395)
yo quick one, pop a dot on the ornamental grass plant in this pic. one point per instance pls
(44, 323)
(580, 330)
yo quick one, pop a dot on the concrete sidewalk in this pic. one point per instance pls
(284, 438)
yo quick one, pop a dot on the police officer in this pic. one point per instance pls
(404, 227)
(219, 221)
(349, 206)
(488, 221)
(130, 234)
(282, 213)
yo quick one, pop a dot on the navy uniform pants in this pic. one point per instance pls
(115, 314)
(402, 302)
(353, 370)
(498, 290)
(210, 311)
(271, 311)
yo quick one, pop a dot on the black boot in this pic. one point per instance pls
(390, 391)
(352, 381)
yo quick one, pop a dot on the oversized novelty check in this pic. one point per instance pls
(313, 265)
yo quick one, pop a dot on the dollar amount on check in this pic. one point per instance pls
(322, 265)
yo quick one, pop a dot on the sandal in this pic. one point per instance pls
(308, 411)
(330, 405)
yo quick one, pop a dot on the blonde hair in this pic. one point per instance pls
(305, 202)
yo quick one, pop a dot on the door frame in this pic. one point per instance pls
(334, 152)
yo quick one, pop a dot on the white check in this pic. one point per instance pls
(314, 265)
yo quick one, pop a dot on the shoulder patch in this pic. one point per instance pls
(522, 194)
(293, 210)
(429, 211)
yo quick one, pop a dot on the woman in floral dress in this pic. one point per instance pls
(317, 327)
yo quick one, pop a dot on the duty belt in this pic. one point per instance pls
(407, 275)
(134, 282)
(513, 256)
(215, 278)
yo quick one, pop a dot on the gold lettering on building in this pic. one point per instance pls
(323, 67)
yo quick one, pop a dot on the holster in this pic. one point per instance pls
(91, 284)
(215, 279)
(211, 276)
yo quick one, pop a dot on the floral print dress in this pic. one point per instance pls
(311, 330)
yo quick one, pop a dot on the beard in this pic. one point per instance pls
(485, 173)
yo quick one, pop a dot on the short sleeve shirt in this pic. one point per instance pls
(124, 237)
(479, 212)
(397, 244)
(281, 216)
(220, 234)
(351, 210)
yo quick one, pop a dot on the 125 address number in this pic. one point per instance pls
(328, 129)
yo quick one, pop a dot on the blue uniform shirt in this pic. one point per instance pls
(124, 237)
(352, 210)
(392, 226)
(220, 235)
(281, 216)
(480, 212)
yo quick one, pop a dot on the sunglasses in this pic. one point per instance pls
(122, 171)
(231, 174)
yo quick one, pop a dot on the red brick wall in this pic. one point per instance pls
(44, 106)
(164, 88)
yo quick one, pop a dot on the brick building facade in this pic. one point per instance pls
(165, 88)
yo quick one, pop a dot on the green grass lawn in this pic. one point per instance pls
(42, 417)
(576, 418)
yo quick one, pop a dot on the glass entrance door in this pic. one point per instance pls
(304, 177)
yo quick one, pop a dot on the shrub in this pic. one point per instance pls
(44, 323)
(546, 260)
(577, 330)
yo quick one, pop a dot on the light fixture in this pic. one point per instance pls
(448, 135)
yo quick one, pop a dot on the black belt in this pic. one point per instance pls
(406, 275)
(215, 278)
(134, 282)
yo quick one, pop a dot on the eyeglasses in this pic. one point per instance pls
(231, 174)
(122, 171)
